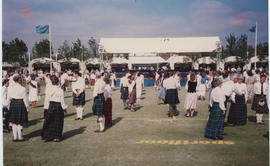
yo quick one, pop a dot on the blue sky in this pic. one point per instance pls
(72, 19)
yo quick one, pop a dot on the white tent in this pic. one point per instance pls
(72, 60)
(147, 60)
(230, 59)
(119, 61)
(206, 60)
(93, 61)
(42, 60)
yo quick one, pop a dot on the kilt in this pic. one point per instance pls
(171, 96)
(98, 106)
(255, 105)
(5, 118)
(79, 100)
(108, 112)
(124, 93)
(18, 113)
(92, 82)
(238, 111)
(54, 122)
(214, 127)
(162, 93)
(86, 81)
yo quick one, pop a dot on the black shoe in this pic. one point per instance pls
(48, 140)
(98, 131)
(14, 140)
(22, 140)
(77, 118)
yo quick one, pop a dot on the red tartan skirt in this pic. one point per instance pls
(108, 112)
(92, 82)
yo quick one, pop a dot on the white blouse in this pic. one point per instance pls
(228, 87)
(18, 92)
(240, 89)
(4, 96)
(55, 94)
(131, 86)
(107, 92)
(170, 83)
(99, 87)
(124, 81)
(217, 95)
(258, 86)
(79, 85)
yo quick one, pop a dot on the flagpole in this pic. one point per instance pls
(50, 40)
(256, 36)
(29, 62)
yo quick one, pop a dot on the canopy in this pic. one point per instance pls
(72, 60)
(42, 60)
(230, 59)
(146, 60)
(206, 60)
(93, 61)
(119, 61)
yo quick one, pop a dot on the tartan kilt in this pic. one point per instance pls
(171, 96)
(238, 111)
(256, 107)
(54, 121)
(124, 93)
(5, 117)
(214, 127)
(79, 100)
(18, 113)
(108, 112)
(86, 81)
(98, 106)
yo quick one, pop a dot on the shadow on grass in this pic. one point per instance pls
(39, 106)
(252, 119)
(33, 134)
(87, 100)
(33, 122)
(88, 115)
(68, 115)
(114, 122)
(74, 132)
(142, 98)
(138, 108)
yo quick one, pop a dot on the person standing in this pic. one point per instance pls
(250, 83)
(203, 87)
(124, 90)
(33, 91)
(259, 100)
(18, 102)
(171, 97)
(214, 128)
(238, 109)
(108, 104)
(92, 79)
(132, 92)
(78, 89)
(99, 101)
(54, 117)
(139, 86)
(191, 97)
(162, 91)
(5, 85)
(113, 80)
(64, 80)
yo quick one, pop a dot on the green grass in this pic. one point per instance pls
(117, 146)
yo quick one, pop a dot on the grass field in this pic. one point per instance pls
(144, 137)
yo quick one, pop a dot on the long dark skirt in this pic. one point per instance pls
(5, 118)
(214, 127)
(132, 97)
(98, 106)
(238, 111)
(171, 96)
(124, 93)
(18, 112)
(108, 113)
(79, 100)
(257, 107)
(54, 122)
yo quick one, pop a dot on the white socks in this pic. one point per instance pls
(17, 132)
(79, 111)
(101, 121)
(259, 117)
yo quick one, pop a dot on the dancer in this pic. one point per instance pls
(18, 107)
(203, 87)
(124, 90)
(214, 127)
(162, 91)
(113, 80)
(78, 88)
(5, 85)
(108, 104)
(33, 91)
(132, 92)
(56, 107)
(139, 86)
(191, 98)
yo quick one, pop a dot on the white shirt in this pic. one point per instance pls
(78, 86)
(228, 88)
(217, 96)
(257, 88)
(18, 92)
(131, 86)
(240, 89)
(124, 81)
(139, 82)
(4, 96)
(92, 76)
(99, 87)
(107, 92)
(170, 83)
(63, 78)
(55, 94)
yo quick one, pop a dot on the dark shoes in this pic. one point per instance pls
(19, 140)
(98, 131)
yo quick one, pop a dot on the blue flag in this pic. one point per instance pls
(42, 29)
(253, 29)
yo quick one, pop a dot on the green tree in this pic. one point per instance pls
(231, 45)
(262, 51)
(15, 51)
(64, 51)
(41, 49)
(93, 46)
(242, 48)
(77, 49)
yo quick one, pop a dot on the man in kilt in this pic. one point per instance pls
(259, 100)
(171, 98)
(124, 90)
(54, 117)
(99, 101)
(18, 108)
(5, 85)
(214, 128)
(78, 87)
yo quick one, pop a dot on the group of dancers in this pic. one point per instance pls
(240, 88)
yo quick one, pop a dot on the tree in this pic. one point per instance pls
(242, 49)
(262, 51)
(93, 46)
(15, 51)
(64, 51)
(231, 46)
(77, 49)
(42, 49)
